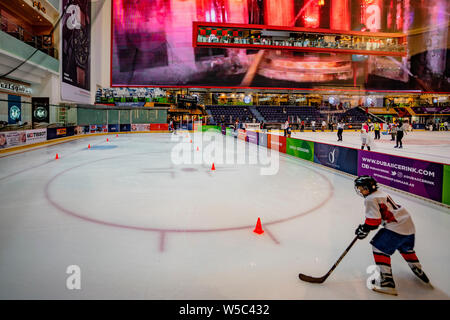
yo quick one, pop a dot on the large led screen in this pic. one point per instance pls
(152, 45)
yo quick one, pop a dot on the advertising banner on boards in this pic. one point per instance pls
(336, 157)
(277, 143)
(300, 148)
(252, 137)
(419, 177)
(17, 138)
(262, 139)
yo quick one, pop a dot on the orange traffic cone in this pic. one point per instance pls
(89, 146)
(190, 141)
(107, 139)
(258, 228)
(213, 167)
(56, 158)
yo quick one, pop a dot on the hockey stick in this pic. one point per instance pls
(322, 279)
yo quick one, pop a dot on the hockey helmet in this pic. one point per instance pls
(367, 182)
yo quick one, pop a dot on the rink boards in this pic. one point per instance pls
(427, 179)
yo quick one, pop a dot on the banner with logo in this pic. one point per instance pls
(14, 109)
(252, 137)
(40, 110)
(125, 127)
(75, 49)
(419, 177)
(140, 127)
(446, 185)
(113, 128)
(35, 136)
(300, 148)
(277, 142)
(79, 130)
(336, 157)
(17, 138)
(93, 128)
(241, 134)
(262, 139)
(159, 126)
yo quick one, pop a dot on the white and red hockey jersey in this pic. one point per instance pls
(381, 209)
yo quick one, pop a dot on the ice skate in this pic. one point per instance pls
(385, 285)
(422, 276)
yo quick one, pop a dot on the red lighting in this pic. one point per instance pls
(311, 18)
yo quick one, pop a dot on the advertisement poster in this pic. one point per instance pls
(75, 51)
(14, 109)
(252, 137)
(17, 138)
(419, 177)
(37, 135)
(446, 185)
(61, 132)
(79, 130)
(262, 139)
(159, 126)
(113, 128)
(336, 157)
(300, 148)
(277, 143)
(140, 127)
(242, 134)
(40, 110)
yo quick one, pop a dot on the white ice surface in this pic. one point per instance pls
(141, 227)
(426, 145)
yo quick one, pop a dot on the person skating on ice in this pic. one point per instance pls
(400, 131)
(398, 233)
(340, 129)
(366, 139)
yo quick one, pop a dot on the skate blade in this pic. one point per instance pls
(389, 291)
(429, 285)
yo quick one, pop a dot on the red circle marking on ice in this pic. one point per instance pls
(163, 230)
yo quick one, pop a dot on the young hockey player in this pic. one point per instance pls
(398, 233)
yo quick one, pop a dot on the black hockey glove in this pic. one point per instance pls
(362, 231)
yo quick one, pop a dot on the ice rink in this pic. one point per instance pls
(432, 146)
(142, 227)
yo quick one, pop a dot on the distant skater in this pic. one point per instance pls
(366, 139)
(340, 129)
(376, 128)
(400, 132)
